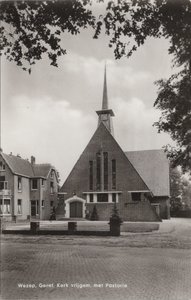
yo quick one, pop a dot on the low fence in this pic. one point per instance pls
(35, 229)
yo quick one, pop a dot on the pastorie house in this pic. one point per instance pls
(27, 189)
(137, 181)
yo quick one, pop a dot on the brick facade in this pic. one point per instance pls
(127, 181)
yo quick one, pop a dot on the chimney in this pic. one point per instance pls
(32, 160)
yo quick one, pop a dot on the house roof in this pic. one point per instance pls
(41, 170)
(18, 165)
(24, 167)
(153, 167)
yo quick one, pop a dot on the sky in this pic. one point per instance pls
(50, 114)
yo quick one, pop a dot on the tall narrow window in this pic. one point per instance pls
(19, 206)
(34, 184)
(113, 174)
(98, 170)
(51, 187)
(91, 198)
(105, 168)
(7, 206)
(1, 206)
(19, 183)
(114, 198)
(91, 175)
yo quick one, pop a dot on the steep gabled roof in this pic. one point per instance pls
(23, 167)
(41, 170)
(153, 167)
(18, 165)
(102, 138)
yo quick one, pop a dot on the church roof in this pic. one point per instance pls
(25, 168)
(153, 167)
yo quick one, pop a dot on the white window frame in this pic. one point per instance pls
(19, 185)
(109, 196)
(5, 185)
(19, 211)
(2, 166)
(32, 184)
(4, 206)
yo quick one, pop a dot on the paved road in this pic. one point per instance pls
(150, 266)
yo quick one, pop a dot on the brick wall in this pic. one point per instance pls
(164, 206)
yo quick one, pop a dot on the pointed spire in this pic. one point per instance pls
(105, 114)
(105, 97)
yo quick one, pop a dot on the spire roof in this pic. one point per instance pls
(105, 114)
(105, 97)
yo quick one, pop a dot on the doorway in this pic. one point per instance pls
(76, 209)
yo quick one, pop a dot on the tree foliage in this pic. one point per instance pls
(176, 189)
(30, 29)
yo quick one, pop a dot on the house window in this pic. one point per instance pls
(3, 183)
(91, 174)
(7, 203)
(98, 170)
(136, 196)
(2, 166)
(102, 197)
(34, 184)
(51, 187)
(19, 206)
(19, 183)
(105, 168)
(52, 173)
(113, 163)
(5, 206)
(114, 198)
(91, 198)
(1, 206)
(43, 181)
(42, 203)
(51, 203)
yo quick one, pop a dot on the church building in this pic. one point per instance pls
(137, 181)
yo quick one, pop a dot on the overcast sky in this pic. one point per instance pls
(51, 113)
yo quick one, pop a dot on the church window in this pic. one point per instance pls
(98, 170)
(91, 175)
(113, 174)
(114, 198)
(105, 163)
(102, 197)
(91, 198)
(136, 196)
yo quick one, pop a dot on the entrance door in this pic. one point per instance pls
(76, 209)
(34, 208)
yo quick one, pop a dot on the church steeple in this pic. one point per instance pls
(105, 114)
(105, 98)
